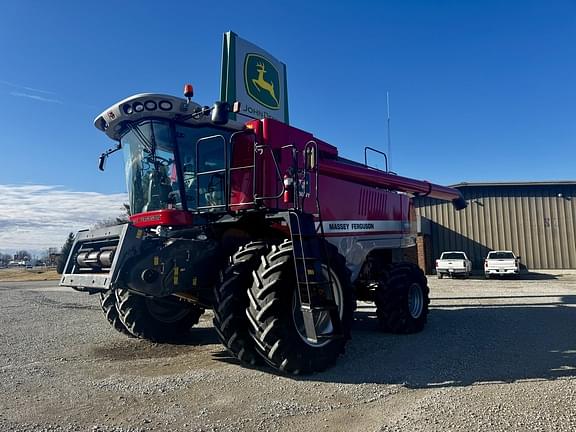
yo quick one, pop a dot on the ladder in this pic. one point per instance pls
(315, 288)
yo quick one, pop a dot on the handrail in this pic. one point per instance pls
(230, 169)
(375, 151)
(278, 173)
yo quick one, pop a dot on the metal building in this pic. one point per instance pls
(536, 220)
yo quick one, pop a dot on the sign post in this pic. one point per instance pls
(254, 78)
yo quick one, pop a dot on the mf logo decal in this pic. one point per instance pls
(262, 81)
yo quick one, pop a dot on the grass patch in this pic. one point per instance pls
(23, 275)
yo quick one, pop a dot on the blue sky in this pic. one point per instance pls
(479, 90)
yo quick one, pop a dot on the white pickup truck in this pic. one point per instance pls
(453, 263)
(501, 263)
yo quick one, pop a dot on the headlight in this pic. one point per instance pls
(138, 107)
(150, 105)
(165, 105)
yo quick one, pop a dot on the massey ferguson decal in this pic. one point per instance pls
(351, 226)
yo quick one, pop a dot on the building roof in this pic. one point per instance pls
(516, 183)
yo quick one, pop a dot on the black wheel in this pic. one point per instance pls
(276, 319)
(108, 306)
(440, 275)
(158, 320)
(230, 320)
(402, 298)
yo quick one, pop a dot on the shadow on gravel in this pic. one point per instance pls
(463, 346)
(225, 357)
(524, 275)
(138, 349)
(537, 276)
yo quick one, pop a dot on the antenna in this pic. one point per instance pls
(388, 132)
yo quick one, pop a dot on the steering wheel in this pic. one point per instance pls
(159, 160)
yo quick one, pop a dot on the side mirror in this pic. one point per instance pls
(102, 161)
(104, 156)
(220, 112)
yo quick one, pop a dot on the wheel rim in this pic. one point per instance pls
(415, 300)
(323, 323)
(165, 311)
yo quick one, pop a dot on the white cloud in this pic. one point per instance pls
(51, 97)
(32, 89)
(39, 216)
(35, 97)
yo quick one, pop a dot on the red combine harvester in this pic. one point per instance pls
(260, 221)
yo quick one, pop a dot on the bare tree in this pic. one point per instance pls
(121, 219)
(22, 255)
(5, 259)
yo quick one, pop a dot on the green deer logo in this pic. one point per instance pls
(262, 81)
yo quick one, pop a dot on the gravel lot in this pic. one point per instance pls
(496, 355)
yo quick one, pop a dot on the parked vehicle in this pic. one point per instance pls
(453, 263)
(262, 222)
(501, 263)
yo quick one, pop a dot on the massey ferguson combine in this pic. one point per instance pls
(260, 221)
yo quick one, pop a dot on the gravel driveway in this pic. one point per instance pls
(496, 355)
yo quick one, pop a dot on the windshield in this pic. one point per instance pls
(501, 255)
(151, 172)
(162, 169)
(453, 255)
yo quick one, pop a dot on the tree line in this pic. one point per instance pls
(22, 255)
(51, 255)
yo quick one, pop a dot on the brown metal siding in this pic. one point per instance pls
(531, 220)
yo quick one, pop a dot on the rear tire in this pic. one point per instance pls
(230, 320)
(159, 319)
(402, 298)
(274, 313)
(440, 275)
(108, 306)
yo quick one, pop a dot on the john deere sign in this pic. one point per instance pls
(262, 81)
(254, 78)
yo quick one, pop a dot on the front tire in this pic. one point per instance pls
(230, 320)
(277, 324)
(108, 306)
(402, 299)
(158, 319)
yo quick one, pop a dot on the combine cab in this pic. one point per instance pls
(261, 222)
